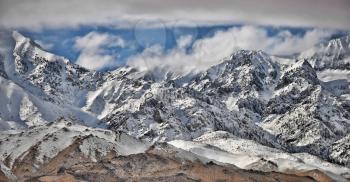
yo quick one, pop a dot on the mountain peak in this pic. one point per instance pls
(18, 36)
(52, 75)
(303, 63)
(342, 42)
(251, 53)
(333, 54)
(21, 39)
(301, 71)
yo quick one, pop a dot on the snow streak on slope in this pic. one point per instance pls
(19, 105)
(266, 158)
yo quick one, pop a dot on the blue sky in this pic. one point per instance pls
(62, 41)
(103, 35)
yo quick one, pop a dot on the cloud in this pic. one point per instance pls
(283, 43)
(94, 48)
(53, 13)
(184, 41)
(211, 50)
(45, 45)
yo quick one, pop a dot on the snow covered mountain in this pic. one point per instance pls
(334, 54)
(272, 111)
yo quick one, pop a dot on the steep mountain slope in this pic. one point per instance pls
(304, 114)
(40, 86)
(58, 79)
(20, 109)
(331, 60)
(247, 154)
(257, 98)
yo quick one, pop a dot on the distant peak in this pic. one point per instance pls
(337, 44)
(342, 42)
(249, 52)
(18, 36)
(332, 54)
(257, 58)
(345, 38)
(303, 63)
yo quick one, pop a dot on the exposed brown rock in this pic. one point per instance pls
(158, 165)
(3, 177)
(317, 175)
(161, 163)
(61, 178)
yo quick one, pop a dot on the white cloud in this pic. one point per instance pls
(94, 46)
(184, 41)
(53, 13)
(44, 45)
(285, 43)
(209, 51)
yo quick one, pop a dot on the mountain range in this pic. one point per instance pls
(252, 116)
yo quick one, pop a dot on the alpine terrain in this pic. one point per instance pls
(252, 117)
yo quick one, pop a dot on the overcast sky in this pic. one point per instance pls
(57, 13)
